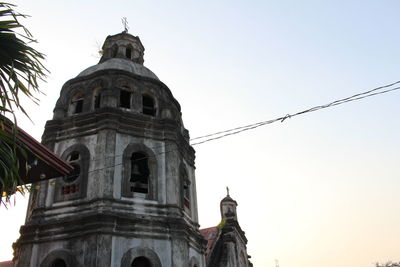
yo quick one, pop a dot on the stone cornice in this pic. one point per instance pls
(110, 73)
(138, 125)
(109, 223)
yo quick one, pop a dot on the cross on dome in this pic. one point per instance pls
(125, 23)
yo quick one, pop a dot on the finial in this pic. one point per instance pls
(227, 191)
(125, 23)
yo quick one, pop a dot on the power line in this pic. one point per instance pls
(237, 130)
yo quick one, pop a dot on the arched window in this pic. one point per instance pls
(185, 188)
(114, 51)
(59, 258)
(140, 257)
(72, 176)
(141, 262)
(194, 262)
(148, 106)
(125, 99)
(139, 173)
(97, 98)
(243, 259)
(76, 103)
(73, 185)
(75, 160)
(59, 263)
(128, 52)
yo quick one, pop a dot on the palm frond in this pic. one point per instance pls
(21, 69)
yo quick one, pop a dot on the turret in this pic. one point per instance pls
(228, 208)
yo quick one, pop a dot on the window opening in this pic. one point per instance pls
(74, 156)
(97, 99)
(59, 263)
(141, 262)
(114, 51)
(186, 188)
(139, 173)
(148, 105)
(76, 103)
(186, 194)
(74, 174)
(77, 106)
(125, 99)
(128, 53)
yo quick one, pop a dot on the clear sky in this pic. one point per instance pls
(317, 190)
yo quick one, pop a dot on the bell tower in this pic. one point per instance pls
(131, 199)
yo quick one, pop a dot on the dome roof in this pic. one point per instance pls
(120, 64)
(228, 199)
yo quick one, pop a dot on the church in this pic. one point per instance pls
(131, 198)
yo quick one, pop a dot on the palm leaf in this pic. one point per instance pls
(21, 69)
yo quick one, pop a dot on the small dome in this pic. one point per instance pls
(120, 64)
(228, 199)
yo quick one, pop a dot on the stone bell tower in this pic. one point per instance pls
(131, 199)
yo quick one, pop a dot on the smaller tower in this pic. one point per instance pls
(226, 243)
(228, 208)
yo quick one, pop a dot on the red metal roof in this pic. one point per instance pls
(48, 166)
(6, 264)
(211, 235)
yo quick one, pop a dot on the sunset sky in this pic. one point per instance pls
(318, 190)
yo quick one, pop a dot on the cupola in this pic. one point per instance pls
(228, 208)
(123, 45)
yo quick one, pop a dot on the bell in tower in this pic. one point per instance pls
(131, 199)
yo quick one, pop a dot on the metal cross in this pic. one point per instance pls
(125, 23)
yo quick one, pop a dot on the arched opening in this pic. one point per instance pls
(148, 105)
(59, 258)
(74, 174)
(74, 159)
(73, 185)
(96, 98)
(59, 263)
(125, 99)
(128, 52)
(141, 262)
(139, 173)
(140, 257)
(184, 178)
(114, 51)
(76, 103)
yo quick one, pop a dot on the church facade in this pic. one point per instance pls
(131, 198)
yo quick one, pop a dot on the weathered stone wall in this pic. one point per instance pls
(93, 219)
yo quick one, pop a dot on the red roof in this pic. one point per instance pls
(211, 235)
(6, 264)
(48, 166)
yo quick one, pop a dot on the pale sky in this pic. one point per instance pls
(317, 190)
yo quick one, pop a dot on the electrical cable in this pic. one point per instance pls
(240, 129)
